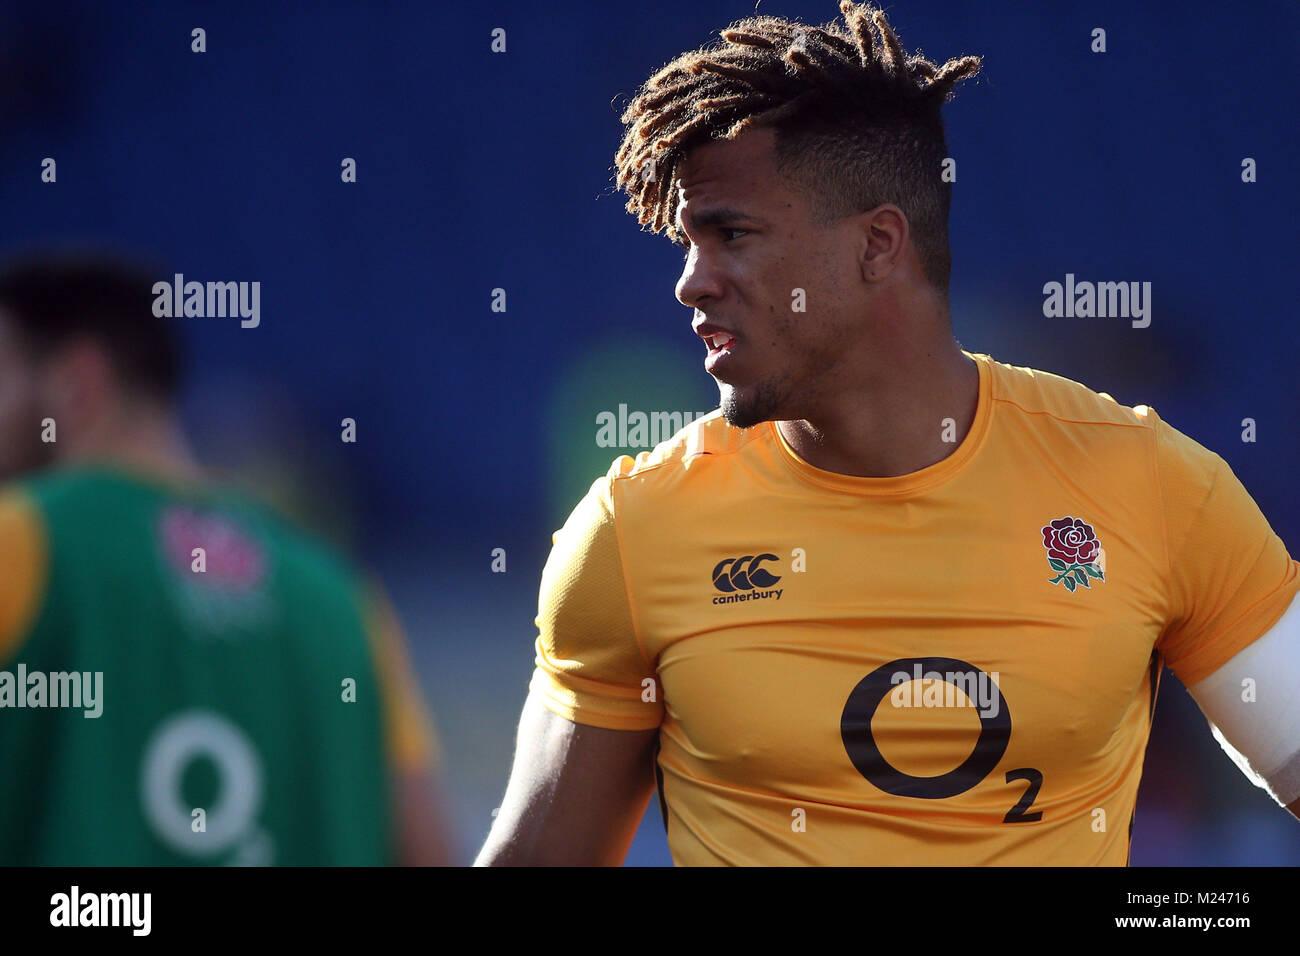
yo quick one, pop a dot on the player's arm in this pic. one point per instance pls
(584, 765)
(1253, 705)
(1233, 636)
(576, 793)
(421, 833)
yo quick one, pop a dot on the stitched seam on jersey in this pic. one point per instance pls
(1164, 525)
(1068, 421)
(627, 587)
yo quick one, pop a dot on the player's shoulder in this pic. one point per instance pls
(1044, 400)
(1035, 392)
(701, 443)
(74, 499)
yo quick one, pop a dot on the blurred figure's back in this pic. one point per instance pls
(224, 640)
(185, 678)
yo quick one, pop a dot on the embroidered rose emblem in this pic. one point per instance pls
(1072, 551)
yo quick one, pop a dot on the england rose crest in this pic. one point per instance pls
(1072, 550)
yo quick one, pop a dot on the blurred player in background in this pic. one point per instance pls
(895, 603)
(256, 704)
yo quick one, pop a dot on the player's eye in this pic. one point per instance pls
(727, 233)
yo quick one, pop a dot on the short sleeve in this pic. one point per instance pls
(591, 668)
(1231, 577)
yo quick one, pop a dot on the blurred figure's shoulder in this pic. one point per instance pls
(58, 487)
(238, 531)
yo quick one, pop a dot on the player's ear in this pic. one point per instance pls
(883, 233)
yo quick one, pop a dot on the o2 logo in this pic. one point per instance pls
(230, 823)
(995, 732)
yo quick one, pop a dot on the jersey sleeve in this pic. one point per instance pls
(24, 568)
(412, 741)
(590, 666)
(1231, 577)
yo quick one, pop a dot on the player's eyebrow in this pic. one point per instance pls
(716, 216)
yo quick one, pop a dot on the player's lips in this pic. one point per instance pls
(720, 342)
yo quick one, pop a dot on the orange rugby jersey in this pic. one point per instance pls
(955, 666)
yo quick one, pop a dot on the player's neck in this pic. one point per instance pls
(146, 441)
(895, 422)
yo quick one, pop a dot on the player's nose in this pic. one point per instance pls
(699, 280)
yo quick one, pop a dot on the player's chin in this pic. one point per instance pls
(746, 406)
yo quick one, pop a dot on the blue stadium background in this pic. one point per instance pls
(479, 171)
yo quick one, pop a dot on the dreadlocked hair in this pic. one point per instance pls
(857, 120)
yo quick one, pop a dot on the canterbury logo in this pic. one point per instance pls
(744, 574)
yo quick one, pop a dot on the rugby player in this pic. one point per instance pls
(230, 691)
(895, 602)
